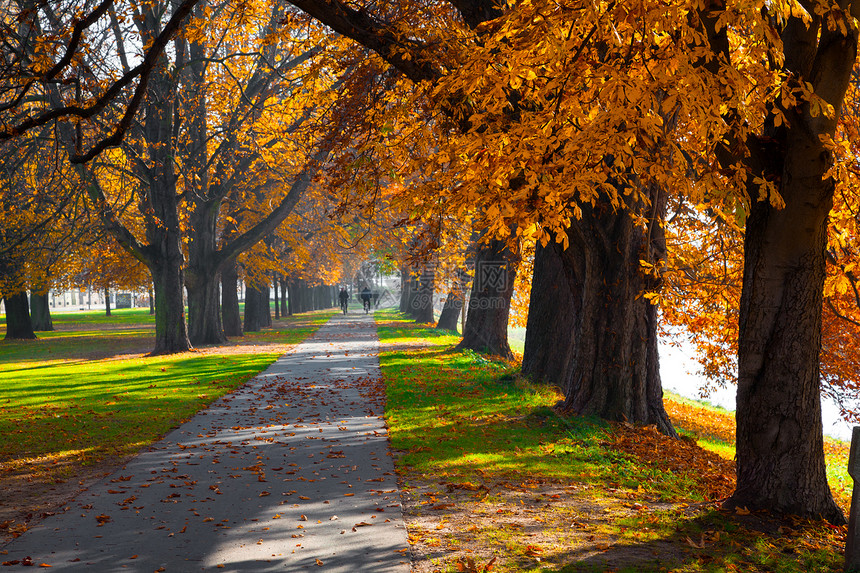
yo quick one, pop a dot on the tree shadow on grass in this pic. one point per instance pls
(716, 540)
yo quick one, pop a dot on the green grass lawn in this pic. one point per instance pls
(463, 421)
(85, 392)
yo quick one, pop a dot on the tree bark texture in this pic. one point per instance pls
(780, 456)
(284, 296)
(204, 310)
(107, 302)
(780, 450)
(40, 313)
(405, 288)
(413, 292)
(451, 311)
(253, 309)
(231, 319)
(265, 307)
(277, 301)
(18, 323)
(490, 300)
(163, 254)
(422, 303)
(549, 330)
(171, 334)
(613, 370)
(453, 303)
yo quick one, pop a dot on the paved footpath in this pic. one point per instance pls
(291, 472)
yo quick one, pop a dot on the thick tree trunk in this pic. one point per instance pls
(18, 323)
(405, 288)
(780, 456)
(204, 310)
(265, 308)
(171, 333)
(40, 313)
(453, 303)
(490, 301)
(107, 302)
(164, 255)
(151, 302)
(451, 311)
(780, 452)
(412, 293)
(614, 369)
(422, 303)
(292, 297)
(307, 297)
(230, 316)
(253, 309)
(277, 302)
(202, 274)
(549, 330)
(284, 296)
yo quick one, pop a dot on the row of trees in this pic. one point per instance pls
(693, 157)
(223, 136)
(584, 125)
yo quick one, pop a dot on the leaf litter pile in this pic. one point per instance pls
(494, 479)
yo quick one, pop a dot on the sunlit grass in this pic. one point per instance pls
(459, 414)
(111, 406)
(461, 418)
(59, 403)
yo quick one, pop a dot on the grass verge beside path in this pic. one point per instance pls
(493, 477)
(76, 403)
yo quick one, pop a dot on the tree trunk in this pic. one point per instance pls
(40, 313)
(490, 302)
(18, 323)
(451, 311)
(405, 284)
(453, 304)
(422, 304)
(265, 308)
(780, 451)
(230, 315)
(614, 369)
(284, 295)
(107, 302)
(277, 302)
(413, 296)
(549, 330)
(292, 297)
(253, 308)
(164, 255)
(171, 333)
(204, 311)
(307, 297)
(151, 302)
(780, 456)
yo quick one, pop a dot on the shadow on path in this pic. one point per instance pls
(292, 471)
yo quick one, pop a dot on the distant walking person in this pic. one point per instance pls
(366, 295)
(344, 299)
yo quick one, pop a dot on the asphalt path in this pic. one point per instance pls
(291, 472)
